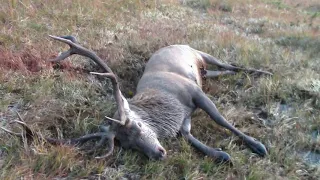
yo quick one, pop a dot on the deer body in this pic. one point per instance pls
(165, 90)
(168, 92)
(170, 78)
(173, 70)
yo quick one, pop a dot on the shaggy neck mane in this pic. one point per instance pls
(163, 113)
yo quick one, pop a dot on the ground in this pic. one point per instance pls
(63, 100)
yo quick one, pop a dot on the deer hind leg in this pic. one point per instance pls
(217, 154)
(214, 74)
(203, 102)
(214, 61)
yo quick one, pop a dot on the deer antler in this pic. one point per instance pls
(105, 135)
(75, 48)
(115, 88)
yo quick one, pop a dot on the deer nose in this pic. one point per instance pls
(161, 153)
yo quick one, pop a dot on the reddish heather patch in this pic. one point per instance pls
(25, 60)
(9, 61)
(32, 60)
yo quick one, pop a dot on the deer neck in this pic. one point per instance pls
(159, 111)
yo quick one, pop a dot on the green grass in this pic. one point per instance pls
(65, 101)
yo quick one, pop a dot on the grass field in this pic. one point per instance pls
(63, 100)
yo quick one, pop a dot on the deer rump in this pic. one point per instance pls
(167, 94)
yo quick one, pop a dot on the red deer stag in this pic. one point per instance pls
(168, 92)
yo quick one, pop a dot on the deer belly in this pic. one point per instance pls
(193, 73)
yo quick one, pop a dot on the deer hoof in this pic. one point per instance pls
(256, 147)
(220, 156)
(223, 157)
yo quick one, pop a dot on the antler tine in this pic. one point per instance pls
(118, 96)
(110, 137)
(104, 136)
(76, 48)
(111, 119)
(111, 147)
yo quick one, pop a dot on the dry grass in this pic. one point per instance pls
(62, 100)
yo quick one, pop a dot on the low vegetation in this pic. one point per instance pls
(63, 100)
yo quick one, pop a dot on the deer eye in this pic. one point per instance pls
(139, 127)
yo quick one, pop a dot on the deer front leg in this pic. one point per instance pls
(217, 154)
(203, 102)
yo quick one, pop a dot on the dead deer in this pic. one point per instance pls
(168, 92)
